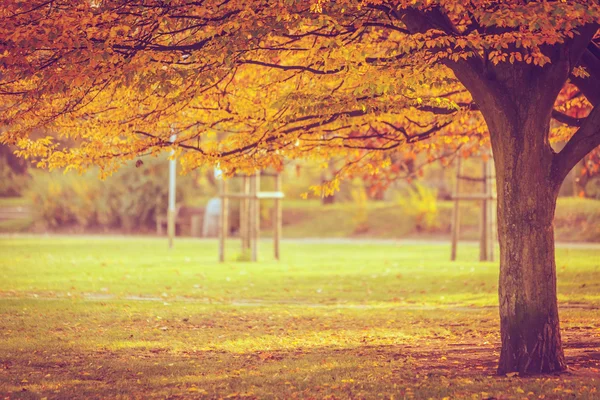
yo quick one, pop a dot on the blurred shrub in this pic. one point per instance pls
(129, 200)
(299, 175)
(420, 202)
(360, 215)
(12, 183)
(60, 200)
(577, 219)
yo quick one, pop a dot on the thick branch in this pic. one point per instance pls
(589, 86)
(586, 139)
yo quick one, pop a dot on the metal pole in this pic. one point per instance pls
(277, 218)
(171, 210)
(456, 210)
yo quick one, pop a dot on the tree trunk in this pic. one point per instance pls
(529, 322)
(516, 101)
(527, 193)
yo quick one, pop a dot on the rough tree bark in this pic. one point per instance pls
(527, 193)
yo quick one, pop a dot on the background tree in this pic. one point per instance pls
(13, 173)
(355, 80)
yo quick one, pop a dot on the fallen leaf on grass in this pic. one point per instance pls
(197, 390)
(265, 356)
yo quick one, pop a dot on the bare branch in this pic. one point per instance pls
(567, 119)
(294, 67)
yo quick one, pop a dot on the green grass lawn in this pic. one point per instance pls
(128, 318)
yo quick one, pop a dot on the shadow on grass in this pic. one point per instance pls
(437, 369)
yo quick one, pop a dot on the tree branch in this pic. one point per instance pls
(419, 136)
(387, 26)
(589, 86)
(294, 67)
(586, 139)
(567, 119)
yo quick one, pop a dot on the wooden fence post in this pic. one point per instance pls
(456, 210)
(245, 214)
(483, 228)
(491, 209)
(278, 217)
(223, 221)
(255, 215)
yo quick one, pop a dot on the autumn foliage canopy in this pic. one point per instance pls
(248, 83)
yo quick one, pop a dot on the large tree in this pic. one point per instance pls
(247, 83)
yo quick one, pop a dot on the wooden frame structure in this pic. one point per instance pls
(487, 222)
(250, 213)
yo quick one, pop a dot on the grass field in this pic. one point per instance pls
(127, 318)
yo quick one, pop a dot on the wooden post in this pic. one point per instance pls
(250, 216)
(196, 228)
(575, 174)
(491, 209)
(245, 214)
(223, 220)
(456, 210)
(255, 215)
(483, 224)
(278, 217)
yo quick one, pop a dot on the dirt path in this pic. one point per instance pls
(332, 241)
(417, 242)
